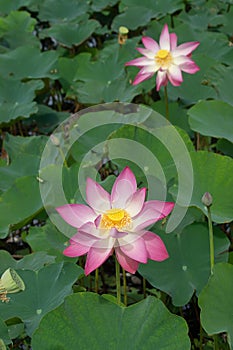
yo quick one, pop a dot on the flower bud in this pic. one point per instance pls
(10, 282)
(207, 199)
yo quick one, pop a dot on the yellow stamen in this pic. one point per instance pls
(163, 58)
(115, 218)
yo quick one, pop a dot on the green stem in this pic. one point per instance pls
(215, 337)
(125, 287)
(97, 280)
(144, 287)
(166, 102)
(118, 281)
(63, 156)
(211, 240)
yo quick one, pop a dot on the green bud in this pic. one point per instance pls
(10, 282)
(207, 199)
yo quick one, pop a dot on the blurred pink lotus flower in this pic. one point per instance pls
(165, 58)
(116, 222)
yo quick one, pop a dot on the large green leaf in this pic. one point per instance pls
(4, 334)
(20, 202)
(45, 290)
(188, 267)
(24, 154)
(39, 64)
(147, 9)
(70, 34)
(212, 118)
(211, 174)
(220, 78)
(16, 30)
(34, 261)
(102, 80)
(62, 11)
(8, 6)
(216, 302)
(16, 99)
(195, 87)
(50, 240)
(89, 321)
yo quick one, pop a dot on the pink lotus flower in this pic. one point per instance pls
(116, 222)
(165, 58)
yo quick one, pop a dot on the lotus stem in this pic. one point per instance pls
(211, 239)
(97, 280)
(166, 102)
(118, 282)
(125, 287)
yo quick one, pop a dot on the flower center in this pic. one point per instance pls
(117, 218)
(163, 58)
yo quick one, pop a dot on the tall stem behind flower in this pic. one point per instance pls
(166, 102)
(118, 281)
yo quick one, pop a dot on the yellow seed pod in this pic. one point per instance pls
(123, 35)
(123, 30)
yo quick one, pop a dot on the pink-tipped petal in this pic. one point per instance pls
(186, 64)
(135, 250)
(174, 75)
(173, 41)
(185, 49)
(124, 187)
(155, 247)
(140, 62)
(135, 203)
(97, 197)
(74, 250)
(96, 257)
(152, 211)
(128, 264)
(89, 229)
(150, 69)
(164, 40)
(76, 214)
(141, 77)
(150, 44)
(161, 79)
(147, 53)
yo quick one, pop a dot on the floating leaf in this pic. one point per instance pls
(16, 30)
(24, 154)
(4, 333)
(216, 302)
(16, 99)
(147, 9)
(45, 290)
(72, 34)
(34, 261)
(98, 81)
(19, 203)
(212, 118)
(226, 147)
(39, 64)
(188, 267)
(211, 175)
(50, 240)
(55, 11)
(112, 326)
